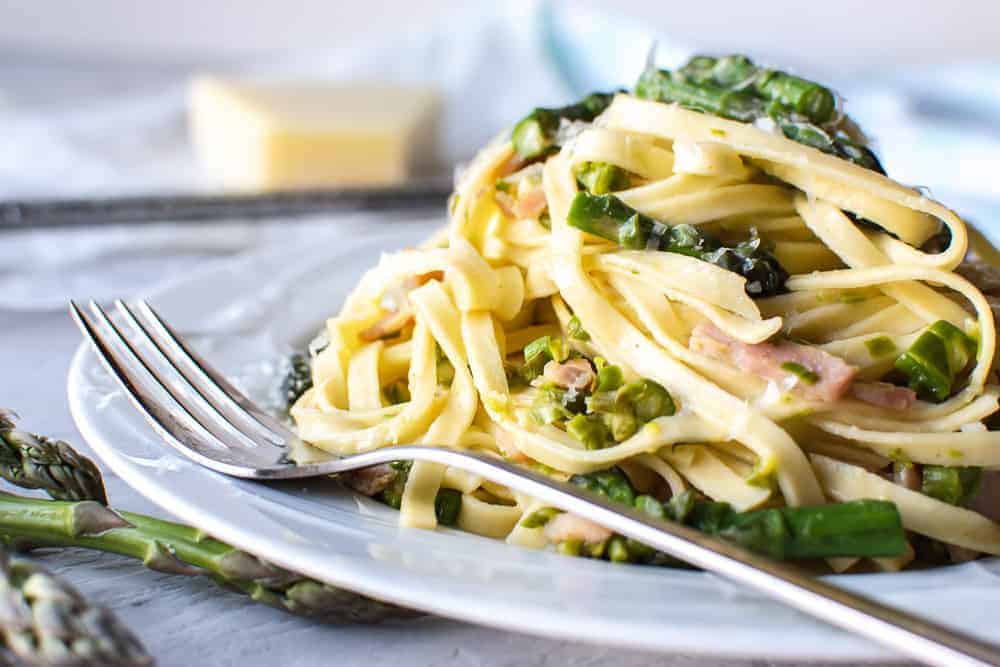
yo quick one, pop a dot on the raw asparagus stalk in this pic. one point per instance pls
(45, 621)
(175, 548)
(36, 462)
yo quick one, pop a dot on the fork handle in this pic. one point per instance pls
(917, 638)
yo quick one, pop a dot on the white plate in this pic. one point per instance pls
(248, 313)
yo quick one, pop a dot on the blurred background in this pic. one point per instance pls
(95, 97)
(848, 33)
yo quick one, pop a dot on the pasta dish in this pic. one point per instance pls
(703, 297)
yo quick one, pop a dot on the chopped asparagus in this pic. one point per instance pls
(647, 400)
(733, 87)
(600, 178)
(934, 361)
(535, 134)
(955, 486)
(611, 218)
(298, 378)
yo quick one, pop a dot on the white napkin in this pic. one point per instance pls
(491, 67)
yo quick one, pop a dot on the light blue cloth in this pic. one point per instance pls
(938, 128)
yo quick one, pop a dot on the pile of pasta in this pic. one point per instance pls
(492, 281)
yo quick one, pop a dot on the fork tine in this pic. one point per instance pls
(185, 377)
(164, 420)
(184, 356)
(220, 430)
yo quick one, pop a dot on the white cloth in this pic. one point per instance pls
(933, 127)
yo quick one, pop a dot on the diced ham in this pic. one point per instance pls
(573, 373)
(884, 395)
(987, 500)
(908, 476)
(567, 526)
(832, 375)
(371, 480)
(396, 304)
(387, 327)
(530, 204)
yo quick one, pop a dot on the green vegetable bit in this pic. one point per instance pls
(534, 135)
(935, 360)
(539, 352)
(612, 219)
(447, 506)
(609, 378)
(590, 430)
(539, 518)
(551, 405)
(647, 399)
(611, 483)
(600, 178)
(575, 330)
(298, 378)
(807, 376)
(955, 486)
(880, 346)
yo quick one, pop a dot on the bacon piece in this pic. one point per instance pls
(567, 526)
(396, 303)
(371, 480)
(387, 327)
(832, 375)
(908, 476)
(884, 395)
(987, 500)
(530, 204)
(575, 373)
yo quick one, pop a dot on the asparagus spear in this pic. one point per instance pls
(178, 549)
(45, 621)
(534, 135)
(36, 462)
(610, 218)
(161, 545)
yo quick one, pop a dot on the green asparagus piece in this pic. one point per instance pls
(590, 430)
(662, 86)
(807, 98)
(611, 218)
(45, 621)
(534, 135)
(934, 361)
(862, 528)
(733, 87)
(36, 462)
(600, 178)
(646, 399)
(955, 486)
(298, 378)
(575, 330)
(175, 548)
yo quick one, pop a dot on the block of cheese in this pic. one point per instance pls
(255, 136)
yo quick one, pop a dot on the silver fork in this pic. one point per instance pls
(197, 411)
